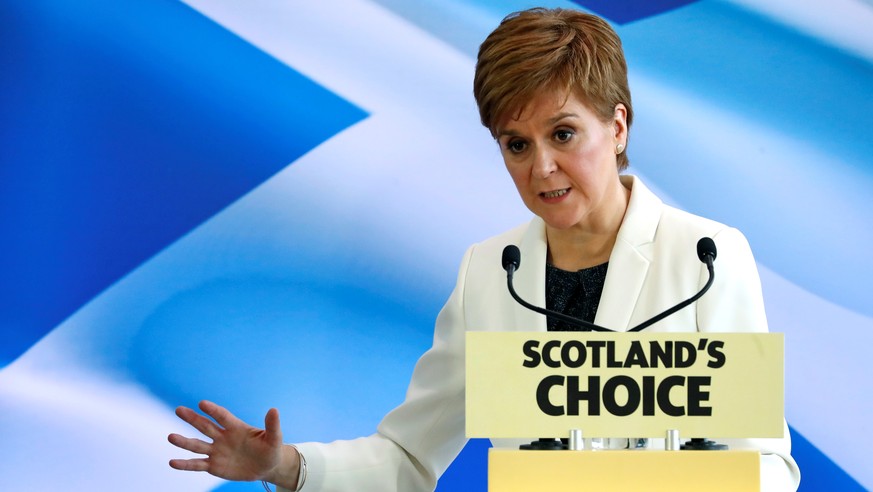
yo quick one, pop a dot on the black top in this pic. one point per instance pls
(575, 294)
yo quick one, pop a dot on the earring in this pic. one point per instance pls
(619, 148)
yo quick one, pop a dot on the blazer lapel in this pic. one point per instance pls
(630, 257)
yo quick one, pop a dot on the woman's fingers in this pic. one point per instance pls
(220, 414)
(199, 422)
(272, 427)
(198, 464)
(190, 444)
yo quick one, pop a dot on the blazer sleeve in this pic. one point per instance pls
(417, 441)
(735, 303)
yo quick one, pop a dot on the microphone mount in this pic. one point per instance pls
(706, 252)
(511, 262)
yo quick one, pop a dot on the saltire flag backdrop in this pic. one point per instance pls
(264, 203)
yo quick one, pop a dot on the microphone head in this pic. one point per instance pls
(511, 257)
(706, 248)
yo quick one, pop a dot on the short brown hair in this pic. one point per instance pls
(551, 49)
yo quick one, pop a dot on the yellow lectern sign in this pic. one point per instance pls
(652, 471)
(714, 385)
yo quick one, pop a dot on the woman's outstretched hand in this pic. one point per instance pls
(238, 451)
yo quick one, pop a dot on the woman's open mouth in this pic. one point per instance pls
(556, 193)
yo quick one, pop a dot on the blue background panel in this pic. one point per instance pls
(622, 12)
(124, 126)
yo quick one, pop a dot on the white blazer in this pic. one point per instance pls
(652, 267)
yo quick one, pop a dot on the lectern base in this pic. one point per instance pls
(654, 471)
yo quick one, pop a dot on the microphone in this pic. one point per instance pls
(706, 252)
(706, 249)
(511, 261)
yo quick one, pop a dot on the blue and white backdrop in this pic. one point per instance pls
(264, 203)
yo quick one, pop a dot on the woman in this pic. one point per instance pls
(552, 88)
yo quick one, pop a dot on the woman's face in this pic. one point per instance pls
(562, 158)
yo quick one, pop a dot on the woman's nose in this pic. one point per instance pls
(544, 164)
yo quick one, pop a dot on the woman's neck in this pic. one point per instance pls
(588, 245)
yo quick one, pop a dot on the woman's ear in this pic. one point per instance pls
(619, 120)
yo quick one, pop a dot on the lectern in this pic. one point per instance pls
(655, 388)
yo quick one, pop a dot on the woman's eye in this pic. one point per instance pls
(515, 146)
(563, 135)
